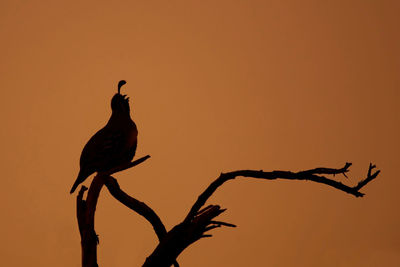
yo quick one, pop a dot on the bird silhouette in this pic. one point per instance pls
(113, 145)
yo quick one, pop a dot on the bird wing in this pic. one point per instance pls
(100, 153)
(102, 149)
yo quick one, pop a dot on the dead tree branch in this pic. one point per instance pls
(86, 210)
(199, 221)
(310, 175)
(183, 235)
(137, 206)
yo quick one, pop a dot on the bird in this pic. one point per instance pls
(113, 145)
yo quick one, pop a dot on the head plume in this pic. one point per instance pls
(120, 84)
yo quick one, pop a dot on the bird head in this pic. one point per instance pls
(120, 103)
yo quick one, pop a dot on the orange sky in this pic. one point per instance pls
(214, 86)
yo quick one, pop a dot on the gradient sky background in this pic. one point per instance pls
(214, 86)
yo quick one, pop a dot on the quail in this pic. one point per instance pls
(113, 145)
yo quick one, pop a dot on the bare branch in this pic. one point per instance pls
(183, 235)
(223, 223)
(86, 211)
(310, 175)
(200, 220)
(369, 178)
(137, 206)
(323, 170)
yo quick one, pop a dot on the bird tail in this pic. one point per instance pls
(81, 177)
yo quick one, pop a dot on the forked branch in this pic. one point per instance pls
(201, 220)
(86, 210)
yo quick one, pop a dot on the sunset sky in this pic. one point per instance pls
(215, 86)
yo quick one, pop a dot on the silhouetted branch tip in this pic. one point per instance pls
(204, 209)
(208, 228)
(322, 170)
(368, 179)
(223, 223)
(82, 190)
